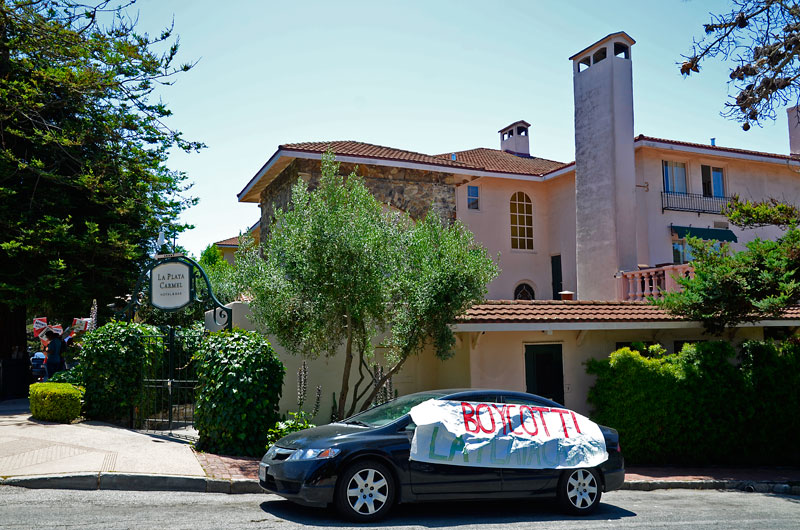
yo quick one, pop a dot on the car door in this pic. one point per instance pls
(445, 479)
(532, 480)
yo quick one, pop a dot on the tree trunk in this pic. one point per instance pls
(377, 388)
(348, 362)
(12, 330)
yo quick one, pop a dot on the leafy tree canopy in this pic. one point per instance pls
(762, 37)
(759, 282)
(338, 269)
(729, 288)
(84, 186)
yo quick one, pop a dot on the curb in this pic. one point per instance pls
(133, 482)
(784, 488)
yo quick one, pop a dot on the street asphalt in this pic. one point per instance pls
(92, 455)
(22, 508)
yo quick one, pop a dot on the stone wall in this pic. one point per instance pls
(409, 190)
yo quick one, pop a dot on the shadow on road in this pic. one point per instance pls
(445, 514)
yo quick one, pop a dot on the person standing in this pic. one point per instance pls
(53, 353)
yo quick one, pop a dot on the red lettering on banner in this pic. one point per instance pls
(491, 417)
(522, 420)
(561, 413)
(469, 417)
(508, 418)
(541, 411)
(575, 421)
(503, 412)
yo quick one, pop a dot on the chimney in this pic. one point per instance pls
(605, 177)
(514, 139)
(794, 129)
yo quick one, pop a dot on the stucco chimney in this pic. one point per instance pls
(605, 178)
(514, 138)
(794, 129)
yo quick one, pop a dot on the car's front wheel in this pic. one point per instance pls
(365, 491)
(579, 491)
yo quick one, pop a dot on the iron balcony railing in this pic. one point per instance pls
(692, 202)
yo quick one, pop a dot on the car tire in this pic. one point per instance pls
(365, 491)
(579, 491)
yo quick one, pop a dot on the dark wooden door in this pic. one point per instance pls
(544, 371)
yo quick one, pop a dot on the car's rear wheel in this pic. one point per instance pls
(365, 491)
(579, 491)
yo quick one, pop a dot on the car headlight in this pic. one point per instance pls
(311, 454)
(271, 453)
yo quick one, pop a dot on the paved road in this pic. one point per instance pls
(24, 508)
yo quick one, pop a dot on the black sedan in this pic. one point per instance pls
(361, 465)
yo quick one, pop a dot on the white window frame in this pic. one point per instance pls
(687, 180)
(525, 242)
(478, 198)
(712, 166)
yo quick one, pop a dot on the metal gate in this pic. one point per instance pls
(169, 379)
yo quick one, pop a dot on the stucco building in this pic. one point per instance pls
(580, 243)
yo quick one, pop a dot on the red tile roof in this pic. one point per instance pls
(230, 242)
(722, 150)
(545, 311)
(481, 159)
(361, 149)
(503, 162)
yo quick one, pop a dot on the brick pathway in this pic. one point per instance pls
(228, 467)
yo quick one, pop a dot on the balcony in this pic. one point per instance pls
(636, 286)
(692, 202)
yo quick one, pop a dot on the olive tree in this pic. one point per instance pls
(338, 269)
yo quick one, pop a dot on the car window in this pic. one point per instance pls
(476, 398)
(390, 411)
(531, 402)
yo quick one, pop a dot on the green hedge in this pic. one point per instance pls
(114, 359)
(59, 402)
(239, 386)
(699, 406)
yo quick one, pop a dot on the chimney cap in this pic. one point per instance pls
(611, 36)
(520, 122)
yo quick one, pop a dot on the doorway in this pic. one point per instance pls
(544, 371)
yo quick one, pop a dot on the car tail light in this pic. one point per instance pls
(619, 447)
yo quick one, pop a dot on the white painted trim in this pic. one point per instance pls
(710, 151)
(591, 326)
(260, 173)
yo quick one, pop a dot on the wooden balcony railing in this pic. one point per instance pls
(638, 285)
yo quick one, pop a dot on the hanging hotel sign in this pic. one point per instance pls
(173, 278)
(171, 286)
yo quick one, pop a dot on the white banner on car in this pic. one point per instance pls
(464, 433)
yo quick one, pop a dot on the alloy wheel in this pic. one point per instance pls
(581, 489)
(367, 491)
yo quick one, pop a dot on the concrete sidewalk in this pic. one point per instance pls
(94, 455)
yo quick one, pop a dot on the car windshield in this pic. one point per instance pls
(390, 411)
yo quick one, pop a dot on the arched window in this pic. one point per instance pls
(521, 221)
(524, 291)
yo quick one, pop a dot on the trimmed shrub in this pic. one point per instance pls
(113, 359)
(239, 386)
(59, 402)
(698, 406)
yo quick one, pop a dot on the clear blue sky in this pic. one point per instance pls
(427, 76)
